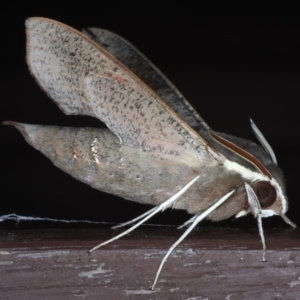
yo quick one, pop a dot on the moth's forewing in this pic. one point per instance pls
(140, 65)
(61, 58)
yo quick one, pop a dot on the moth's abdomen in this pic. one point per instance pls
(89, 154)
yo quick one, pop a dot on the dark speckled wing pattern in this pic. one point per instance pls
(139, 64)
(83, 78)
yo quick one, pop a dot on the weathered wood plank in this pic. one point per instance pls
(209, 264)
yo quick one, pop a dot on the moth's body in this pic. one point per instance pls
(157, 149)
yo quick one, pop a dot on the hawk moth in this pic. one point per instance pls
(157, 149)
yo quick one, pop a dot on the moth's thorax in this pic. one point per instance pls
(269, 192)
(247, 174)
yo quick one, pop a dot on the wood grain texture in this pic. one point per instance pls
(209, 264)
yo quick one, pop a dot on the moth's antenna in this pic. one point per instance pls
(263, 141)
(196, 219)
(256, 210)
(149, 214)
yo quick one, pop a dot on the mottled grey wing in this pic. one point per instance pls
(84, 78)
(139, 64)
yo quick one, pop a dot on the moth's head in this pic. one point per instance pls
(270, 193)
(271, 197)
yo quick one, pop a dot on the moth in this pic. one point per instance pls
(157, 149)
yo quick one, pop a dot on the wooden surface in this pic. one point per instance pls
(209, 264)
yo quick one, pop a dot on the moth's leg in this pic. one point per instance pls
(288, 221)
(256, 210)
(138, 218)
(263, 141)
(196, 219)
(135, 219)
(149, 215)
(185, 224)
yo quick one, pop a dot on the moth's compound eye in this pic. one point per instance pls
(265, 193)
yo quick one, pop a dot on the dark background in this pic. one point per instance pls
(228, 65)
